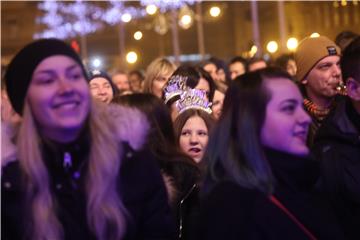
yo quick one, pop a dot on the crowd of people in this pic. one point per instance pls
(245, 149)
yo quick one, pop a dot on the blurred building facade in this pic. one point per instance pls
(228, 35)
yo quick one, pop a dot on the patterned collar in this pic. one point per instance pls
(315, 111)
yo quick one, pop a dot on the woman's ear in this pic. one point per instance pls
(353, 89)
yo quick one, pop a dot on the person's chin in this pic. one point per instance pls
(195, 157)
(300, 150)
(71, 123)
(332, 93)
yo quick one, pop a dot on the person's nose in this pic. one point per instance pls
(65, 85)
(102, 91)
(194, 139)
(336, 71)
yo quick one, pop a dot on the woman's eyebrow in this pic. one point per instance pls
(290, 100)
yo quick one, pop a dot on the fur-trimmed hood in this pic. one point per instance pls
(131, 125)
(8, 148)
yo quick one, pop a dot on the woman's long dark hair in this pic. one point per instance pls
(234, 150)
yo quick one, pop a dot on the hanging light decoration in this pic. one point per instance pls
(126, 17)
(118, 11)
(151, 9)
(215, 11)
(161, 25)
(70, 19)
(186, 16)
(138, 35)
(166, 5)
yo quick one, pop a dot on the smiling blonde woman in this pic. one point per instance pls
(74, 178)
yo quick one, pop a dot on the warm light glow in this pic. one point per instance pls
(272, 46)
(96, 62)
(315, 35)
(185, 21)
(335, 4)
(215, 11)
(292, 44)
(355, 2)
(131, 57)
(138, 35)
(253, 51)
(126, 17)
(343, 3)
(151, 9)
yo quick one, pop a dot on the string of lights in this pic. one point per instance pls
(166, 5)
(70, 19)
(66, 20)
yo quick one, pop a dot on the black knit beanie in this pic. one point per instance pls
(20, 70)
(98, 73)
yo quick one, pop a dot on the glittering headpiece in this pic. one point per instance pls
(175, 87)
(193, 99)
(95, 72)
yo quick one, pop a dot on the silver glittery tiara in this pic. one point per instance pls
(193, 99)
(175, 87)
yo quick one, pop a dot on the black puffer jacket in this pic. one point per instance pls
(337, 145)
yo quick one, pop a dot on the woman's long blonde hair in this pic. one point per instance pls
(105, 210)
(155, 69)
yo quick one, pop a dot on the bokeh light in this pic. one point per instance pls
(126, 17)
(96, 62)
(272, 46)
(292, 43)
(131, 57)
(138, 35)
(215, 11)
(186, 21)
(315, 35)
(151, 9)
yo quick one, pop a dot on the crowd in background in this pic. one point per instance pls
(244, 149)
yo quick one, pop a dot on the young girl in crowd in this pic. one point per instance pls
(194, 123)
(180, 173)
(157, 75)
(192, 129)
(74, 179)
(185, 78)
(259, 182)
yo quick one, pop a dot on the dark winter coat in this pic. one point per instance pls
(182, 181)
(231, 211)
(140, 186)
(337, 145)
